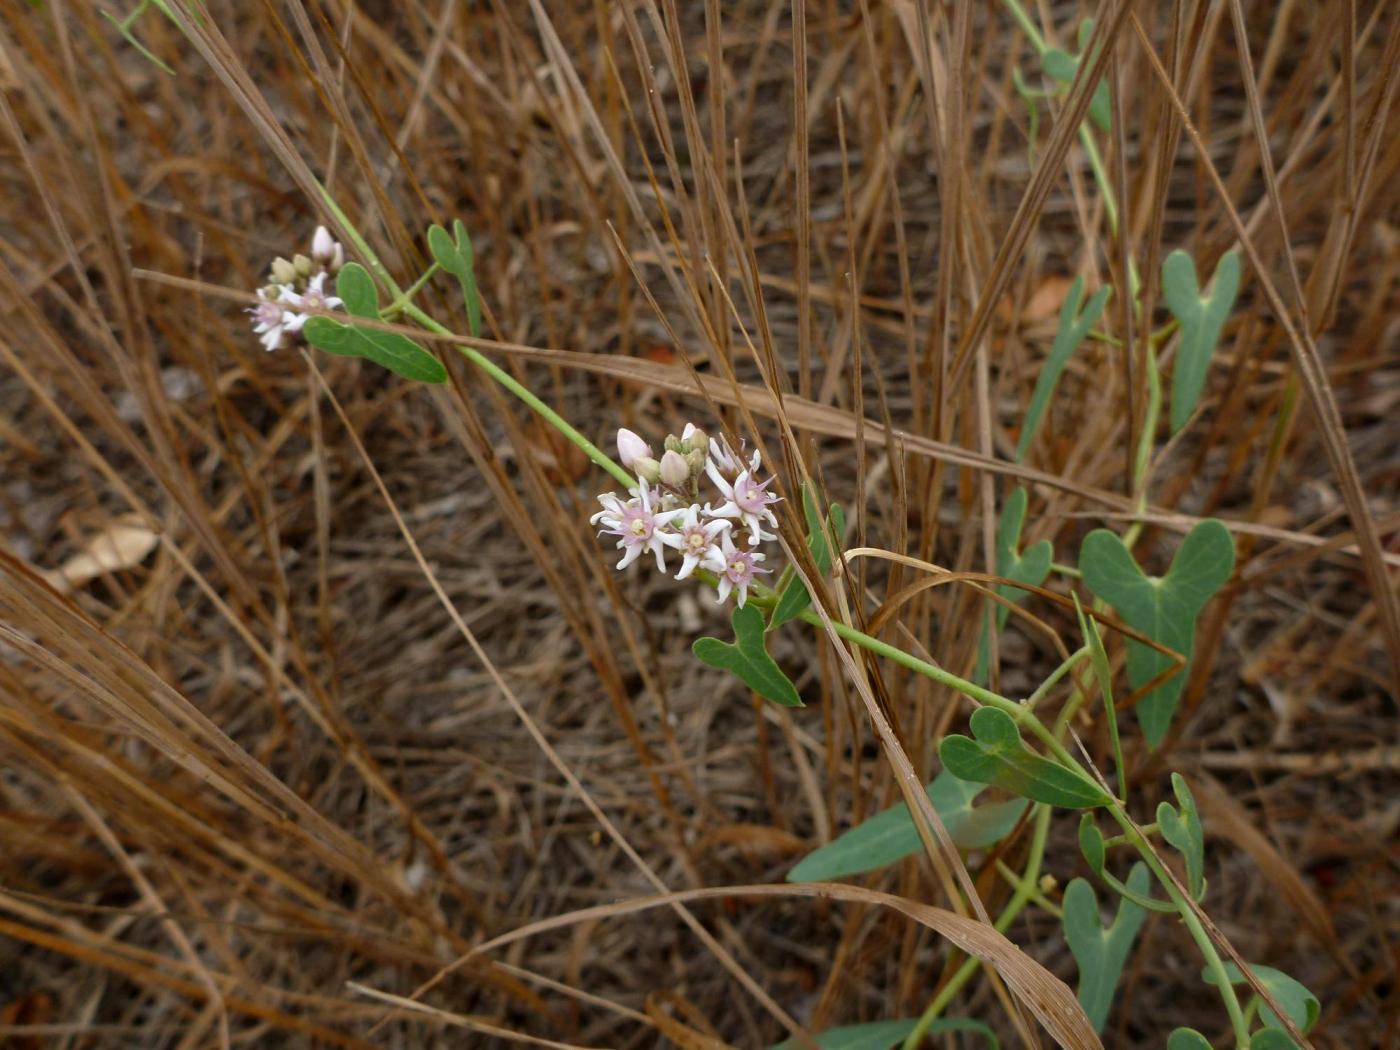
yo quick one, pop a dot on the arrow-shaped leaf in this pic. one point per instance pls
(1030, 566)
(391, 350)
(747, 657)
(881, 1035)
(1187, 1039)
(1091, 844)
(995, 754)
(1182, 828)
(890, 835)
(1074, 327)
(1101, 953)
(454, 255)
(1202, 319)
(1062, 67)
(1162, 607)
(1300, 1004)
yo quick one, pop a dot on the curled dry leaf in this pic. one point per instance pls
(1035, 987)
(123, 544)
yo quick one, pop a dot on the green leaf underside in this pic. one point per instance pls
(391, 350)
(820, 541)
(1163, 608)
(1300, 1004)
(454, 254)
(748, 658)
(881, 1035)
(890, 835)
(1074, 327)
(1102, 953)
(1187, 1039)
(1182, 829)
(1202, 319)
(995, 754)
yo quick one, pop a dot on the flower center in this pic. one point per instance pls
(696, 541)
(738, 567)
(639, 527)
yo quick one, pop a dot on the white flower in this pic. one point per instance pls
(313, 298)
(631, 448)
(270, 319)
(746, 499)
(739, 568)
(696, 540)
(637, 524)
(729, 462)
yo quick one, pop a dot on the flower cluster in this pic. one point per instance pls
(296, 287)
(665, 509)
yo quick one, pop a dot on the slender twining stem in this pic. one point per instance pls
(1026, 891)
(1043, 689)
(407, 295)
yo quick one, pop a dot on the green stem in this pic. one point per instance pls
(1043, 689)
(1204, 944)
(1028, 25)
(393, 309)
(1026, 891)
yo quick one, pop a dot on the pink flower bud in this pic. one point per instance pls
(631, 448)
(322, 245)
(675, 471)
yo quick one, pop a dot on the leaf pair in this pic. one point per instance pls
(1300, 1004)
(396, 352)
(821, 541)
(1102, 953)
(747, 656)
(1164, 608)
(995, 754)
(890, 835)
(1264, 1039)
(1202, 318)
(881, 1035)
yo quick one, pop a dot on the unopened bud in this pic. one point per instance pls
(698, 440)
(337, 258)
(647, 469)
(672, 443)
(304, 266)
(322, 245)
(283, 272)
(1048, 883)
(675, 471)
(631, 448)
(695, 459)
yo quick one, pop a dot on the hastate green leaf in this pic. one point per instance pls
(356, 289)
(454, 255)
(995, 754)
(1187, 1039)
(332, 337)
(390, 350)
(1182, 828)
(747, 657)
(1271, 1039)
(1092, 845)
(1300, 1004)
(1202, 319)
(1030, 567)
(1101, 953)
(1074, 327)
(881, 1035)
(1163, 608)
(890, 835)
(1062, 67)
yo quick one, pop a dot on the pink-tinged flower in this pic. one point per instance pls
(745, 499)
(740, 567)
(322, 245)
(698, 541)
(631, 448)
(270, 319)
(637, 523)
(314, 298)
(729, 462)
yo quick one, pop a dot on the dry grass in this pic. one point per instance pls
(281, 767)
